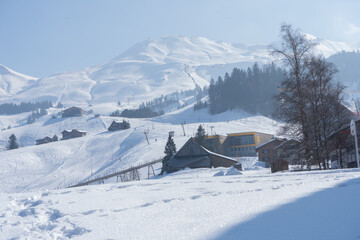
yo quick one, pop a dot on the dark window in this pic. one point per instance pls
(243, 140)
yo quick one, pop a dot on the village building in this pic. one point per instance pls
(119, 125)
(278, 153)
(343, 147)
(193, 155)
(244, 144)
(67, 134)
(266, 151)
(72, 112)
(288, 152)
(44, 140)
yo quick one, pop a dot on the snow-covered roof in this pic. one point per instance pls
(275, 138)
(216, 154)
(285, 142)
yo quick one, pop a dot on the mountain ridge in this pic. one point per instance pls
(149, 69)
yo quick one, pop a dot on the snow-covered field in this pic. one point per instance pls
(193, 204)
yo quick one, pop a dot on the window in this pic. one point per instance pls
(243, 140)
(266, 159)
(265, 151)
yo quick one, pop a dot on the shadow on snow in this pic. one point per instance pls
(328, 214)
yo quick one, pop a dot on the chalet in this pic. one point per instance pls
(266, 151)
(193, 155)
(72, 134)
(343, 147)
(44, 140)
(72, 112)
(119, 125)
(288, 152)
(244, 144)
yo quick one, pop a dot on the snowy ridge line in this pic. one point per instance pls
(116, 173)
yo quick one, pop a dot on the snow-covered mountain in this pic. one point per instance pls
(12, 82)
(147, 70)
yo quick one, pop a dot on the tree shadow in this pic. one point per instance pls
(328, 214)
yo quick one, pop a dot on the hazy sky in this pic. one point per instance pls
(44, 37)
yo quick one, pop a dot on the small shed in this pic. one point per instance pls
(43, 140)
(72, 134)
(193, 155)
(72, 112)
(119, 125)
(279, 165)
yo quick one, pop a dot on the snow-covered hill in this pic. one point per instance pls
(12, 82)
(150, 69)
(57, 164)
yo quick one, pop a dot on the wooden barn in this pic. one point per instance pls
(72, 134)
(72, 112)
(119, 125)
(44, 140)
(343, 147)
(193, 155)
(266, 151)
(288, 152)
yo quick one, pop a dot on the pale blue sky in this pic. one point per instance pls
(44, 37)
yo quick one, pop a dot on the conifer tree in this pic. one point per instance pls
(170, 150)
(200, 136)
(55, 138)
(12, 142)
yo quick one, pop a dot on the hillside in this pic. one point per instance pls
(12, 82)
(65, 162)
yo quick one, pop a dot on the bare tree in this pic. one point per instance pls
(295, 52)
(310, 101)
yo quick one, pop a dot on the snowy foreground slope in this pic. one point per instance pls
(193, 204)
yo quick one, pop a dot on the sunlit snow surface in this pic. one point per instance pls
(193, 204)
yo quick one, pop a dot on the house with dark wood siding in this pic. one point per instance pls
(72, 134)
(72, 112)
(193, 155)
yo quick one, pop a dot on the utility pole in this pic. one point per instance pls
(146, 137)
(354, 133)
(182, 124)
(357, 109)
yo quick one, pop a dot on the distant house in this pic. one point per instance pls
(266, 151)
(343, 147)
(279, 153)
(288, 152)
(193, 155)
(43, 140)
(119, 125)
(243, 144)
(72, 112)
(72, 134)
